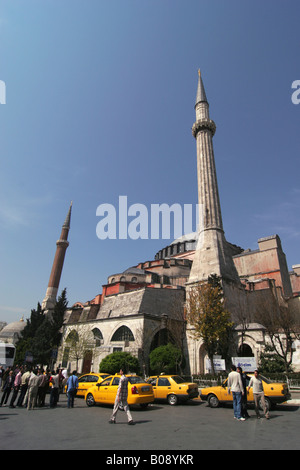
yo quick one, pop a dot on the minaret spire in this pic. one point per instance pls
(61, 247)
(201, 95)
(212, 255)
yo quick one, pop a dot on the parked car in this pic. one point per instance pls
(86, 381)
(173, 388)
(275, 393)
(139, 391)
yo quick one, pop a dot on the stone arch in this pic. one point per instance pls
(162, 337)
(71, 338)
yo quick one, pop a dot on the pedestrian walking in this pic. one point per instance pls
(24, 386)
(244, 403)
(1, 375)
(43, 387)
(121, 399)
(5, 374)
(54, 392)
(72, 386)
(16, 387)
(33, 386)
(8, 385)
(235, 386)
(258, 394)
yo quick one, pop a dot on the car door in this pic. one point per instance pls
(82, 385)
(101, 391)
(153, 382)
(163, 388)
(222, 392)
(112, 390)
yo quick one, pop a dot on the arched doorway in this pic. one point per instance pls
(202, 356)
(161, 338)
(245, 350)
(87, 362)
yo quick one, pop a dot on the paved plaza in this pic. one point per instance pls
(189, 427)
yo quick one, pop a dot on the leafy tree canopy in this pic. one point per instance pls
(165, 359)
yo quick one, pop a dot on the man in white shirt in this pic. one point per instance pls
(258, 394)
(235, 386)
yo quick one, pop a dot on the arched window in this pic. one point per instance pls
(123, 334)
(72, 337)
(97, 336)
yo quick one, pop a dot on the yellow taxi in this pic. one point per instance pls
(139, 392)
(173, 388)
(275, 393)
(86, 381)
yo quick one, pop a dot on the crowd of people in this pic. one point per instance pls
(27, 387)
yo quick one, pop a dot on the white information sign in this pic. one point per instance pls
(248, 364)
(219, 364)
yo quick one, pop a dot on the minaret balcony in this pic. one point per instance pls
(61, 242)
(203, 125)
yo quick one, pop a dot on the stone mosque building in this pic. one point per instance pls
(144, 306)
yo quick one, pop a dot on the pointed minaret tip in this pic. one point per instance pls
(201, 95)
(68, 218)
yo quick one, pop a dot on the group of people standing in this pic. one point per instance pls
(237, 385)
(26, 386)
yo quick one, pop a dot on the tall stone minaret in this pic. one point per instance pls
(212, 255)
(61, 247)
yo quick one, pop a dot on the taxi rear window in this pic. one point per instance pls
(177, 379)
(136, 380)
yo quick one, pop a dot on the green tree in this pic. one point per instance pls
(112, 363)
(48, 335)
(271, 362)
(207, 314)
(165, 359)
(42, 334)
(27, 339)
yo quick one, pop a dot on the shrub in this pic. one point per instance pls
(112, 363)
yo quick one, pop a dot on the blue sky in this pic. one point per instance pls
(100, 103)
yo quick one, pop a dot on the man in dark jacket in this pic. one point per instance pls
(244, 405)
(8, 385)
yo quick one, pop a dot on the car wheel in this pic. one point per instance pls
(213, 401)
(90, 401)
(172, 399)
(268, 404)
